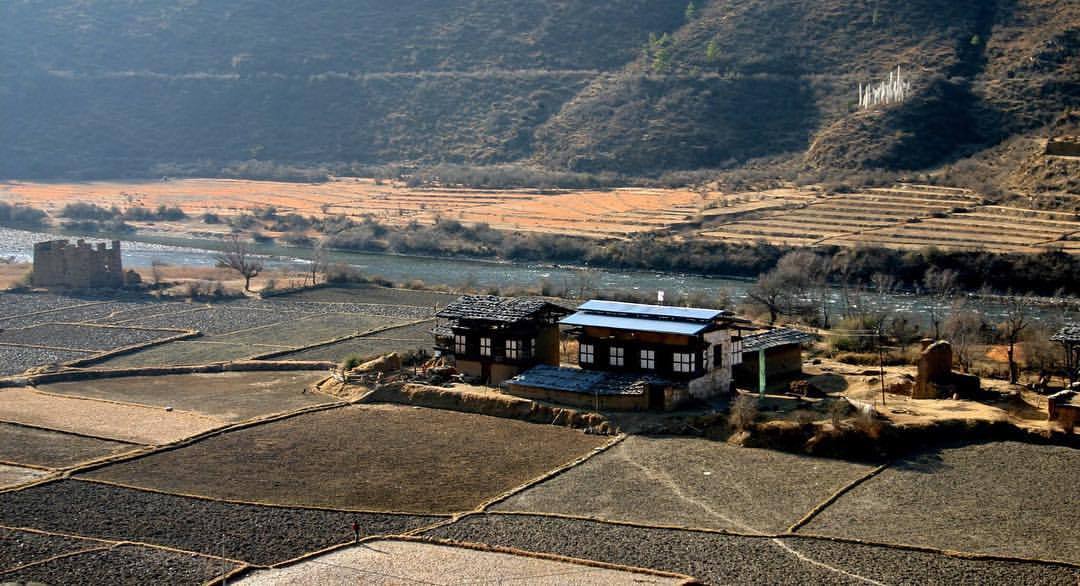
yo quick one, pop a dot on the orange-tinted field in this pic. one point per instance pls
(589, 213)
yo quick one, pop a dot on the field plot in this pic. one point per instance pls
(308, 330)
(12, 475)
(255, 534)
(1001, 498)
(365, 295)
(395, 562)
(370, 457)
(19, 304)
(215, 320)
(124, 564)
(691, 483)
(402, 339)
(85, 311)
(186, 353)
(726, 559)
(19, 548)
(81, 337)
(905, 217)
(130, 423)
(616, 212)
(227, 396)
(51, 449)
(16, 359)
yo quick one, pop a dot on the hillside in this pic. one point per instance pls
(98, 88)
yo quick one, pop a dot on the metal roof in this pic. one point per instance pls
(773, 339)
(589, 382)
(686, 328)
(651, 311)
(498, 309)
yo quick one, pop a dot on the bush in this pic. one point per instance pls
(352, 362)
(19, 216)
(211, 218)
(744, 411)
(88, 211)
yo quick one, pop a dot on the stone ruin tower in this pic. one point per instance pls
(58, 263)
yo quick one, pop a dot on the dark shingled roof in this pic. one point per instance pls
(588, 382)
(1069, 333)
(774, 338)
(498, 309)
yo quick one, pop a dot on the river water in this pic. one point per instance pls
(18, 245)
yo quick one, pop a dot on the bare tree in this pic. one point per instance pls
(771, 292)
(941, 285)
(319, 263)
(239, 258)
(1017, 319)
(963, 329)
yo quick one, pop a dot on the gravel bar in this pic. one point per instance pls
(78, 337)
(256, 534)
(723, 559)
(18, 548)
(125, 564)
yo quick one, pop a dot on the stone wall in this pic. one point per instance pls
(58, 263)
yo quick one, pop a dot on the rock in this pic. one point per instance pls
(935, 365)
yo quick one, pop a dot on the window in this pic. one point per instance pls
(460, 346)
(718, 356)
(513, 349)
(617, 356)
(586, 353)
(485, 346)
(682, 362)
(648, 359)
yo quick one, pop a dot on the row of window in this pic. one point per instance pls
(512, 349)
(681, 361)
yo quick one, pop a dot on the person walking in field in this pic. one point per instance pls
(356, 531)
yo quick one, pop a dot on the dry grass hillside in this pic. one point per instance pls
(633, 87)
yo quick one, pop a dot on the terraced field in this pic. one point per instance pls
(908, 217)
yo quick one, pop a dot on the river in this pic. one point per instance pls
(18, 245)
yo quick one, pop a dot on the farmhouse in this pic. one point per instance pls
(494, 338)
(635, 356)
(1064, 407)
(770, 357)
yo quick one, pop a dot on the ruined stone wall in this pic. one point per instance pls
(58, 263)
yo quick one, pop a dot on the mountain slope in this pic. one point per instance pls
(110, 88)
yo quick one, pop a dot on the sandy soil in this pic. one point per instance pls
(394, 562)
(371, 457)
(691, 482)
(130, 423)
(12, 475)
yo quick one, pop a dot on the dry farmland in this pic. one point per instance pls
(599, 213)
(907, 217)
(370, 457)
(393, 562)
(691, 483)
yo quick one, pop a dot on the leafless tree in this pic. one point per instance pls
(319, 263)
(941, 286)
(239, 258)
(1017, 319)
(963, 329)
(744, 411)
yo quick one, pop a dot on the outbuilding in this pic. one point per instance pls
(770, 358)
